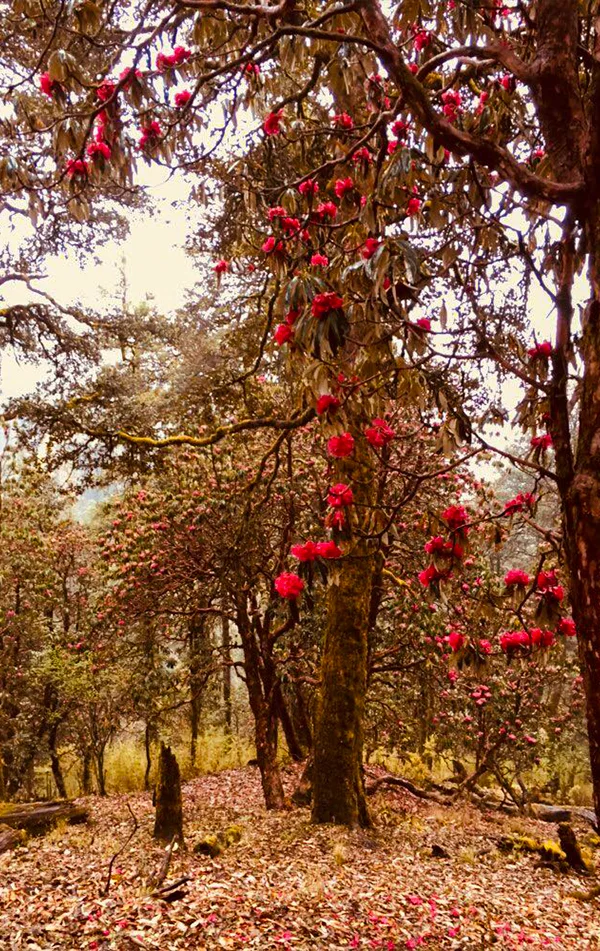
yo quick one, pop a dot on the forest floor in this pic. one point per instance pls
(289, 885)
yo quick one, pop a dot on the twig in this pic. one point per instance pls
(106, 888)
(163, 870)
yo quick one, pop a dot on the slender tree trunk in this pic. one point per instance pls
(100, 771)
(226, 644)
(86, 773)
(263, 710)
(196, 633)
(57, 772)
(148, 734)
(293, 743)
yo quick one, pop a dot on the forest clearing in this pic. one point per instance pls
(288, 884)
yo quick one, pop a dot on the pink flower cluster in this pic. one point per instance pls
(310, 550)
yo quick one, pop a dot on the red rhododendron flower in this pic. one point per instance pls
(343, 121)
(566, 626)
(555, 594)
(340, 496)
(341, 446)
(283, 333)
(271, 244)
(422, 38)
(541, 638)
(291, 225)
(305, 552)
(413, 206)
(379, 434)
(221, 267)
(291, 316)
(430, 574)
(455, 517)
(150, 134)
(76, 167)
(319, 260)
(327, 404)
(362, 155)
(485, 646)
(309, 187)
(437, 546)
(522, 501)
(546, 579)
(272, 123)
(414, 68)
(127, 74)
(452, 103)
(322, 304)
(369, 248)
(289, 585)
(277, 212)
(483, 98)
(343, 186)
(328, 549)
(423, 323)
(541, 351)
(327, 209)
(252, 69)
(166, 61)
(508, 82)
(400, 128)
(48, 86)
(514, 640)
(105, 90)
(99, 148)
(182, 98)
(542, 442)
(455, 640)
(516, 577)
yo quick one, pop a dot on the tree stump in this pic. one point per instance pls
(10, 838)
(570, 846)
(168, 823)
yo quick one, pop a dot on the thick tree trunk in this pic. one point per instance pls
(581, 511)
(338, 787)
(168, 823)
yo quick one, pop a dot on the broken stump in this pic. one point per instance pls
(168, 823)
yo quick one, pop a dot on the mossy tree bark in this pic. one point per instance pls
(338, 787)
(168, 823)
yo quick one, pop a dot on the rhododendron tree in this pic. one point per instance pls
(513, 141)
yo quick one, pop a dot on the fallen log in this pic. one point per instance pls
(537, 810)
(9, 838)
(410, 787)
(38, 816)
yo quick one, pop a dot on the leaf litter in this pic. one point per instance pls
(289, 885)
